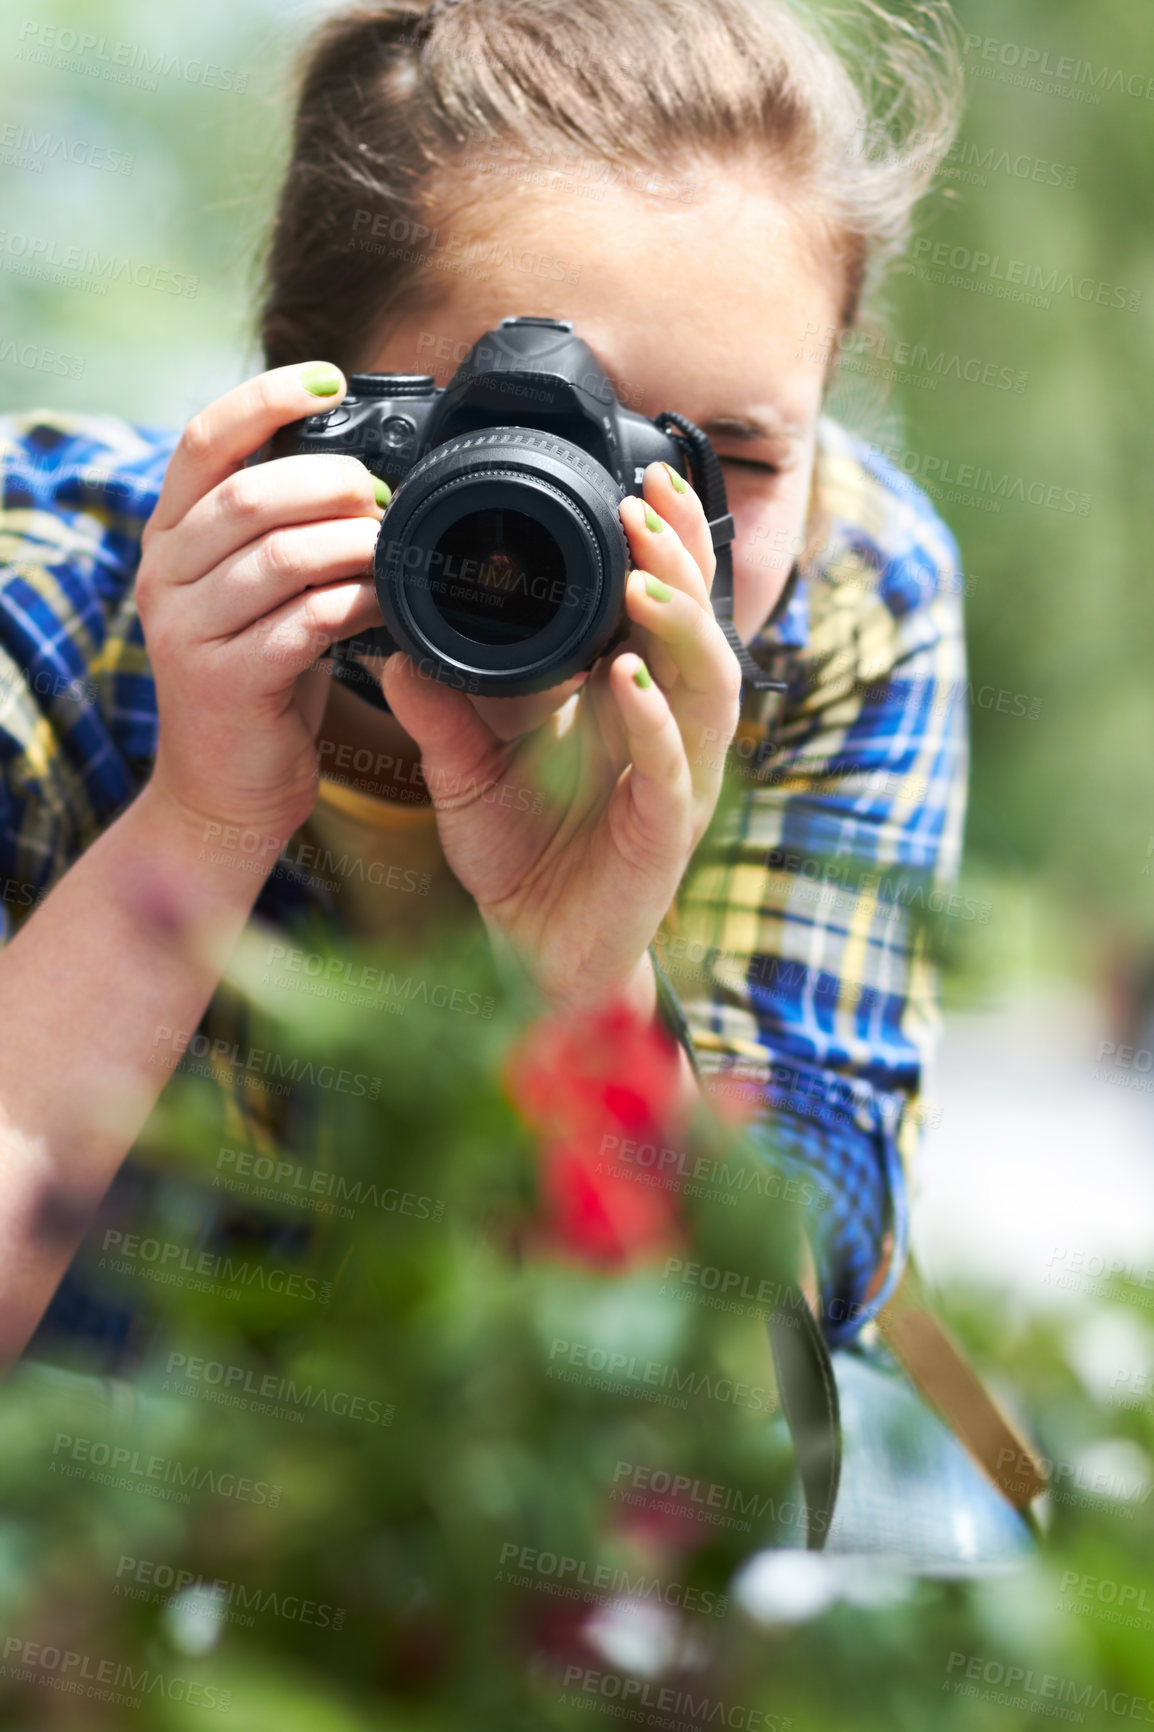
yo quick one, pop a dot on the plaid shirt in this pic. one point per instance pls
(800, 942)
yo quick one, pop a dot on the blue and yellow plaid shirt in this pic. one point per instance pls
(800, 945)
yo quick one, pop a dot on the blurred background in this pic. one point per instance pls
(1035, 1218)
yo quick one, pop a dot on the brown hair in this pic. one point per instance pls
(401, 108)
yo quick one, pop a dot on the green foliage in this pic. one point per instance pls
(442, 1321)
(396, 1442)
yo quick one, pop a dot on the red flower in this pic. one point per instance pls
(592, 1082)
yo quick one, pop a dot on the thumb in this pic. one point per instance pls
(456, 745)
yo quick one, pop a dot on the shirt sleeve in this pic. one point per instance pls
(77, 704)
(802, 942)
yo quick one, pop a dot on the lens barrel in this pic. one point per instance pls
(501, 563)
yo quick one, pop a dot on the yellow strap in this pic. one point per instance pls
(370, 809)
(941, 1373)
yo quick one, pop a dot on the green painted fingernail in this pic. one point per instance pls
(641, 678)
(658, 590)
(680, 485)
(382, 492)
(652, 521)
(322, 379)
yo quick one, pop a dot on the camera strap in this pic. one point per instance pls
(349, 672)
(709, 481)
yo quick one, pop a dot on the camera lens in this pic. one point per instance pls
(501, 562)
(500, 577)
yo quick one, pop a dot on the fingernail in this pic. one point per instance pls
(641, 678)
(680, 485)
(652, 522)
(382, 492)
(322, 379)
(658, 590)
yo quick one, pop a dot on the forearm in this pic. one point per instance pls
(133, 939)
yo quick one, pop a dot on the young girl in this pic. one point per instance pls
(701, 188)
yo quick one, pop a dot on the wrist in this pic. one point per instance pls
(185, 865)
(219, 847)
(637, 989)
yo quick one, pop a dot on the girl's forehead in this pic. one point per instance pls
(713, 302)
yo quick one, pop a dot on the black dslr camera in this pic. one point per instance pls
(501, 561)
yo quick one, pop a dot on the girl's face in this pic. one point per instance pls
(721, 305)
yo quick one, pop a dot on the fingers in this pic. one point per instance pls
(694, 648)
(283, 564)
(685, 515)
(218, 440)
(284, 644)
(269, 496)
(458, 749)
(660, 791)
(655, 546)
(669, 597)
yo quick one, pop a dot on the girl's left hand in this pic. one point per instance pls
(573, 838)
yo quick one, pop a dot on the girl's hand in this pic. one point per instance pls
(574, 838)
(247, 576)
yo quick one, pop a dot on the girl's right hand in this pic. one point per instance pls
(246, 577)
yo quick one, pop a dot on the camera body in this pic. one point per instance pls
(501, 562)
